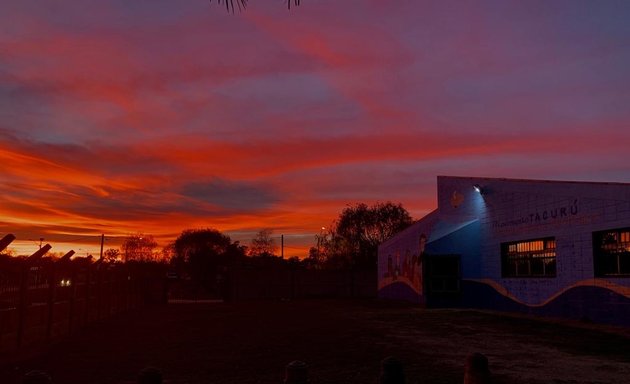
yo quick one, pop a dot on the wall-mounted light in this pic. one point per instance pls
(478, 189)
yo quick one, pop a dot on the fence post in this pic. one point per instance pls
(6, 240)
(296, 372)
(2, 316)
(108, 294)
(99, 291)
(88, 293)
(129, 284)
(73, 297)
(52, 280)
(116, 290)
(22, 298)
(476, 371)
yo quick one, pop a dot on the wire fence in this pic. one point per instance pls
(44, 299)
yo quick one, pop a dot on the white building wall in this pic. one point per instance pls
(514, 210)
(511, 210)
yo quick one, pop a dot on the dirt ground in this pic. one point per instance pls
(342, 342)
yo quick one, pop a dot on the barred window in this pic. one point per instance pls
(611, 252)
(529, 258)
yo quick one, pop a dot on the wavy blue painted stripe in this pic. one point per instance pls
(601, 283)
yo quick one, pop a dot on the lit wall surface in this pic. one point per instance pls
(477, 225)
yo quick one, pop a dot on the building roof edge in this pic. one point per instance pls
(516, 180)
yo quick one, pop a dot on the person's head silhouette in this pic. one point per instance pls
(150, 375)
(36, 377)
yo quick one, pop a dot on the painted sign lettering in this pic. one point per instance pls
(541, 216)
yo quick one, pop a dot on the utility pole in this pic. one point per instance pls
(319, 239)
(102, 242)
(282, 246)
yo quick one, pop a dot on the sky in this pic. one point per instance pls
(154, 116)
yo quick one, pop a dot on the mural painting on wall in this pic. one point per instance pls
(406, 267)
(456, 199)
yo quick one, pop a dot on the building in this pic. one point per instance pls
(552, 248)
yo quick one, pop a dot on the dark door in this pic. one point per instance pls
(443, 282)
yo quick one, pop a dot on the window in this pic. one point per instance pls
(530, 258)
(611, 252)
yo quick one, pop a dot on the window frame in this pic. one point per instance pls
(619, 251)
(526, 254)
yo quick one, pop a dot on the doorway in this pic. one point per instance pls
(443, 279)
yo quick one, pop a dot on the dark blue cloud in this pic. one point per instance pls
(232, 196)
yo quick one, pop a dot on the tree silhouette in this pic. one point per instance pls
(138, 247)
(111, 255)
(206, 255)
(354, 238)
(263, 244)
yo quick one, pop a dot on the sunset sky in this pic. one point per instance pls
(155, 116)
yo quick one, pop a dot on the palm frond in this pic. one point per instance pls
(229, 4)
(242, 4)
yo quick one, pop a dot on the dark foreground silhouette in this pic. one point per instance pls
(296, 372)
(343, 341)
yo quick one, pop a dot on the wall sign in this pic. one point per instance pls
(539, 217)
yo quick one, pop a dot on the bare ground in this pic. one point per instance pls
(342, 341)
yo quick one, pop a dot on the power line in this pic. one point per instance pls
(69, 238)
